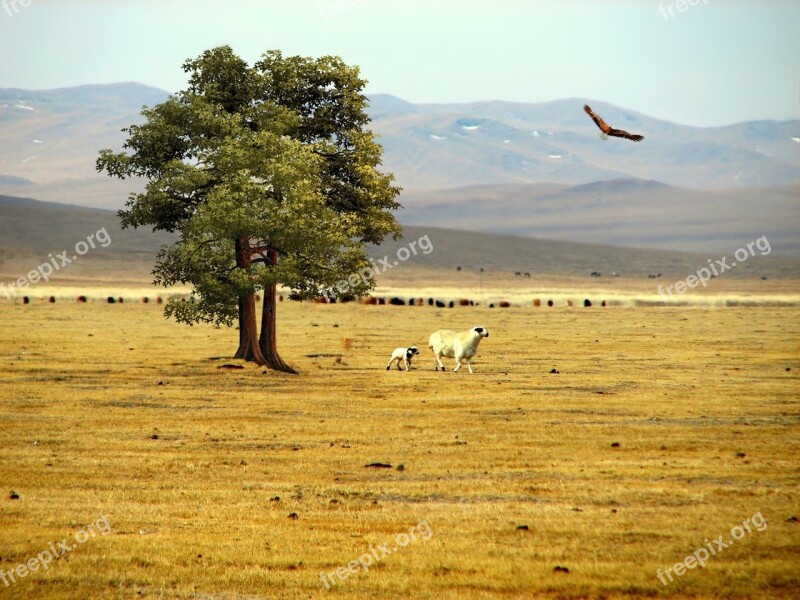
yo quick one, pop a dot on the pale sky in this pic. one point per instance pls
(715, 63)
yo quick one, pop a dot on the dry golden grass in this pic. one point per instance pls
(85, 388)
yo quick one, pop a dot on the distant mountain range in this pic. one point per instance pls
(53, 135)
(528, 169)
(449, 145)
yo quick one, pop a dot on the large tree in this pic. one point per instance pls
(270, 177)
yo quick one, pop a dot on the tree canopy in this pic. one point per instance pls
(269, 175)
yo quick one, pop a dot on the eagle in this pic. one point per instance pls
(604, 127)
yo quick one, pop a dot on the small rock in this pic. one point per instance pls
(740, 455)
(555, 371)
(293, 516)
(401, 468)
(522, 528)
(154, 436)
(560, 569)
(792, 519)
(275, 499)
(378, 465)
(615, 444)
(13, 495)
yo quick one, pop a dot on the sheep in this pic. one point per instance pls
(402, 354)
(461, 346)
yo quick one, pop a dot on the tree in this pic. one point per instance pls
(326, 97)
(270, 178)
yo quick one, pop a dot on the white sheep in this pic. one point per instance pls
(402, 354)
(461, 346)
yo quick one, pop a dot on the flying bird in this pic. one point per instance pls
(607, 130)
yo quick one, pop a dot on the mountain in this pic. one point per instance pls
(448, 145)
(54, 135)
(30, 230)
(526, 169)
(623, 212)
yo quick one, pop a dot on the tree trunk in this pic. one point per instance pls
(268, 342)
(248, 332)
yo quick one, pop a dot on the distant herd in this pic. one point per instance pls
(367, 300)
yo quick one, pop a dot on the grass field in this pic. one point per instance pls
(664, 429)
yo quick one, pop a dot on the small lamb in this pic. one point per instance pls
(402, 354)
(461, 346)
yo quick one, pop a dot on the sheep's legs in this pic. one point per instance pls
(469, 364)
(458, 365)
(437, 362)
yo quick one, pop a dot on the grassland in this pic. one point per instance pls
(663, 428)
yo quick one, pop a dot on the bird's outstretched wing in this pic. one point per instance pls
(598, 121)
(624, 134)
(610, 130)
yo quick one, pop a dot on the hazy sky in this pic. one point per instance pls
(717, 62)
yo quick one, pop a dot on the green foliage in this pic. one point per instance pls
(275, 156)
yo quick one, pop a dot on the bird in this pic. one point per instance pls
(607, 130)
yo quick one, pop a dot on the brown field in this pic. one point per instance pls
(664, 428)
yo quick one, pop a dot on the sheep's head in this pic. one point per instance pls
(480, 331)
(411, 352)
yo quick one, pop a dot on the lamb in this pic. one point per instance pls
(402, 354)
(461, 346)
